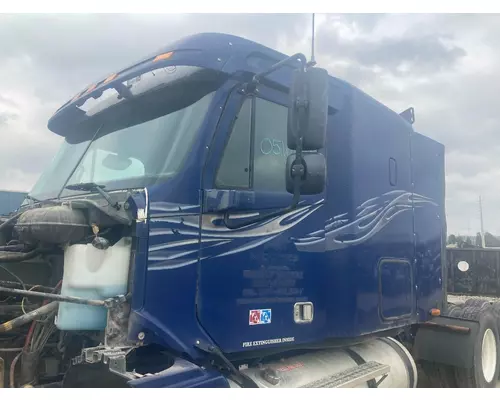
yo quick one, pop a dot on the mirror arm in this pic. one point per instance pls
(299, 56)
(298, 172)
(250, 87)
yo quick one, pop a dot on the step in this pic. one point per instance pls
(352, 377)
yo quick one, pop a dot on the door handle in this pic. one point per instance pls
(303, 312)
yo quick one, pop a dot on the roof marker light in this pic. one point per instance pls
(110, 78)
(76, 97)
(164, 56)
(91, 87)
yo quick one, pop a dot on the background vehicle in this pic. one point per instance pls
(10, 201)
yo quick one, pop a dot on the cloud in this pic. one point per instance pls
(75, 49)
(410, 54)
(446, 66)
(49, 58)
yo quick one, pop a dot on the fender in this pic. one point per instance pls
(182, 374)
(446, 340)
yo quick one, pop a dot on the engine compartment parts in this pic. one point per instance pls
(13, 256)
(28, 317)
(54, 225)
(58, 297)
(90, 186)
(92, 273)
(9, 221)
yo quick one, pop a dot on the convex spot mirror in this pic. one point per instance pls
(308, 109)
(313, 181)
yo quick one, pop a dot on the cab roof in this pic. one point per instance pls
(224, 52)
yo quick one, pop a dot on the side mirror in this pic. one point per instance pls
(313, 181)
(308, 109)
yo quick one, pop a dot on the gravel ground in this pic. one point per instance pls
(461, 298)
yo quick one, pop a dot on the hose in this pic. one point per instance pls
(14, 275)
(25, 286)
(29, 336)
(24, 298)
(13, 370)
(9, 221)
(12, 256)
(57, 297)
(14, 248)
(33, 324)
(11, 349)
(14, 309)
(24, 319)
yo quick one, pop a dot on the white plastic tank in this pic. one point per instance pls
(91, 273)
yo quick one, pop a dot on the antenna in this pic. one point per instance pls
(313, 60)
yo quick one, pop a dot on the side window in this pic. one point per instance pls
(234, 169)
(268, 144)
(270, 150)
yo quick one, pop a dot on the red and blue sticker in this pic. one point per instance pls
(259, 317)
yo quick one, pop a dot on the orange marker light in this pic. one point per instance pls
(164, 56)
(110, 78)
(92, 87)
(435, 312)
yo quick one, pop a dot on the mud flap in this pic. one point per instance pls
(448, 341)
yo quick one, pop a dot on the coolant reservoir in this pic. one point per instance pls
(91, 273)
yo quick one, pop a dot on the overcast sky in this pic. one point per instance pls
(446, 66)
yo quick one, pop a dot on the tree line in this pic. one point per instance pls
(470, 242)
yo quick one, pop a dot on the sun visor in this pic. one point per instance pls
(154, 73)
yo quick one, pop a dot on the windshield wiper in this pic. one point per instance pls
(34, 199)
(91, 187)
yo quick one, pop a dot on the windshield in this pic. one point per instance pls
(133, 143)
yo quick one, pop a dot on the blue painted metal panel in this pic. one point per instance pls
(331, 257)
(430, 222)
(257, 267)
(397, 298)
(379, 220)
(182, 374)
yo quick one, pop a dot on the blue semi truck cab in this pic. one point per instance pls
(222, 215)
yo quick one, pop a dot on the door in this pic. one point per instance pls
(251, 277)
